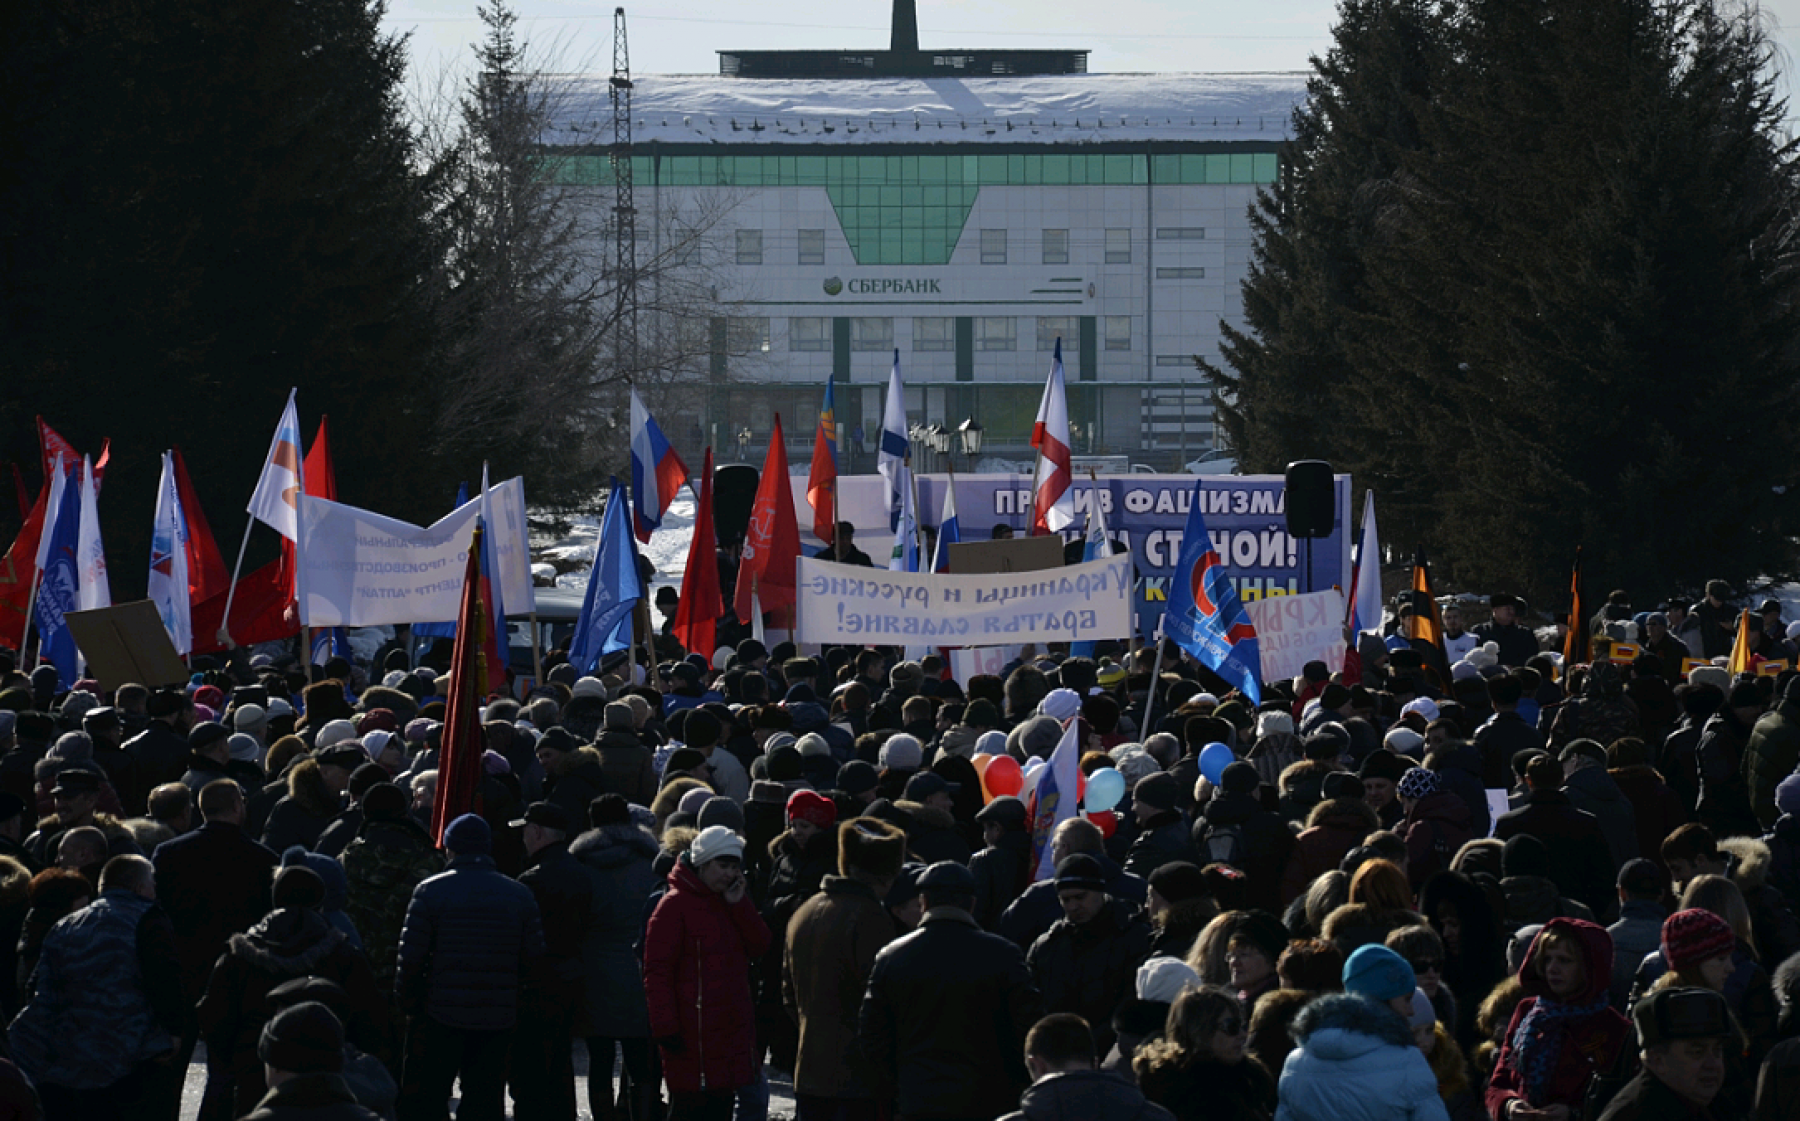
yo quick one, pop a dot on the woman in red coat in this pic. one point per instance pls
(1564, 1033)
(702, 938)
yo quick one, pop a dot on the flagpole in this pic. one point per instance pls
(30, 612)
(1150, 696)
(306, 646)
(224, 634)
(918, 523)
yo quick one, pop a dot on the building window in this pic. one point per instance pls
(871, 333)
(1053, 327)
(749, 247)
(995, 332)
(1118, 246)
(1181, 233)
(747, 334)
(1056, 247)
(1118, 332)
(993, 247)
(809, 332)
(1181, 274)
(812, 247)
(1175, 360)
(932, 332)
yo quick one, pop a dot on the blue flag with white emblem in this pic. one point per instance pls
(613, 590)
(57, 589)
(1205, 616)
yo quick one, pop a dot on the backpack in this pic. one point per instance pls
(1224, 845)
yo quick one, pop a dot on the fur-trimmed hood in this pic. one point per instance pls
(1344, 813)
(927, 817)
(1753, 860)
(1447, 1063)
(1343, 1026)
(307, 787)
(291, 942)
(564, 763)
(613, 846)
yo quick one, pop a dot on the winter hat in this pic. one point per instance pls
(1692, 936)
(1423, 1014)
(1081, 870)
(857, 777)
(906, 885)
(1239, 778)
(813, 745)
(1420, 783)
(1162, 979)
(1422, 706)
(713, 842)
(906, 675)
(1787, 794)
(1159, 791)
(1274, 724)
(618, 717)
(1378, 973)
(376, 740)
(249, 716)
(385, 802)
(469, 835)
(1179, 881)
(334, 732)
(210, 695)
(720, 810)
(76, 747)
(1403, 741)
(420, 730)
(297, 886)
(1035, 737)
(588, 687)
(804, 805)
(1136, 765)
(377, 720)
(1524, 855)
(1340, 784)
(901, 753)
(875, 847)
(1382, 764)
(784, 763)
(1060, 704)
(364, 778)
(304, 1039)
(244, 748)
(1005, 811)
(609, 809)
(1681, 1013)
(694, 800)
(682, 760)
(1716, 676)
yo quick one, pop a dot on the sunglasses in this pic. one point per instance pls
(1428, 965)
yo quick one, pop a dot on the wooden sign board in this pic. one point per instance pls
(126, 644)
(1014, 554)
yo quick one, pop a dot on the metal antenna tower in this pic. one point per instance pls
(625, 334)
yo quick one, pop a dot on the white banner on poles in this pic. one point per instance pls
(842, 603)
(360, 569)
(1294, 630)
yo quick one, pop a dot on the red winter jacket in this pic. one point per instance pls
(1591, 1043)
(697, 955)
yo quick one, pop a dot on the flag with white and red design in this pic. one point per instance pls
(275, 502)
(1053, 500)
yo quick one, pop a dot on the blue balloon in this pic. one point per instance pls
(1105, 787)
(1214, 758)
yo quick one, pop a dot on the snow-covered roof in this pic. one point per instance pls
(1060, 109)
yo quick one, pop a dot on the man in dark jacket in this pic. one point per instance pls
(302, 1050)
(1517, 644)
(470, 939)
(1235, 825)
(1590, 788)
(1066, 1081)
(625, 763)
(948, 1006)
(1773, 753)
(1505, 733)
(543, 1070)
(1583, 869)
(1003, 869)
(1163, 836)
(1683, 1033)
(161, 750)
(1037, 909)
(1086, 963)
(573, 777)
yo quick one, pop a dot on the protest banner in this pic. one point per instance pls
(1294, 630)
(849, 604)
(971, 661)
(361, 569)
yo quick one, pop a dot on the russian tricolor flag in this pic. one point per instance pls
(656, 471)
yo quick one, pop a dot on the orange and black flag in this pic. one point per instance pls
(1575, 643)
(471, 669)
(1426, 628)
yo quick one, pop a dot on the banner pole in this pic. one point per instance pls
(224, 634)
(30, 613)
(1155, 678)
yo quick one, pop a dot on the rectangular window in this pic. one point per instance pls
(993, 247)
(812, 247)
(1181, 233)
(747, 335)
(1118, 246)
(1118, 332)
(1056, 247)
(869, 332)
(1175, 360)
(930, 332)
(809, 332)
(1181, 274)
(995, 332)
(1053, 327)
(749, 247)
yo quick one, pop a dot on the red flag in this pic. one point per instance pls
(321, 475)
(459, 753)
(821, 480)
(24, 495)
(18, 570)
(771, 541)
(697, 613)
(260, 612)
(51, 443)
(207, 574)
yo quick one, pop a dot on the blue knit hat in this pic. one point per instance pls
(1378, 973)
(469, 834)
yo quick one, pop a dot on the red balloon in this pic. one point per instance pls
(1003, 777)
(1106, 820)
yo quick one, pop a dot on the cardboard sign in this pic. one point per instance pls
(1771, 669)
(126, 644)
(1624, 652)
(1013, 554)
(1689, 665)
(1294, 630)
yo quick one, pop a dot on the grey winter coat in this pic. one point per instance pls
(617, 859)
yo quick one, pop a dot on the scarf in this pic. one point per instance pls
(1538, 1042)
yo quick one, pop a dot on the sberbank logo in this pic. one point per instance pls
(833, 285)
(880, 287)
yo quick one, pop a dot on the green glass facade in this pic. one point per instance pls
(910, 209)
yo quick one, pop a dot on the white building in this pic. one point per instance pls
(966, 221)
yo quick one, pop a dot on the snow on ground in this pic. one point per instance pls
(667, 550)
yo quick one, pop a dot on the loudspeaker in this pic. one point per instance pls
(734, 492)
(1310, 510)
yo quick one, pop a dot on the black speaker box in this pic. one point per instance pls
(1310, 510)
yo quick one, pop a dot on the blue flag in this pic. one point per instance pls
(332, 642)
(443, 630)
(1205, 617)
(613, 590)
(57, 589)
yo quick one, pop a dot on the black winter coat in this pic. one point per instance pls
(1088, 1093)
(161, 755)
(311, 1097)
(213, 882)
(1166, 839)
(1001, 872)
(1267, 844)
(617, 860)
(1037, 908)
(1210, 1091)
(470, 938)
(565, 897)
(1090, 969)
(944, 1020)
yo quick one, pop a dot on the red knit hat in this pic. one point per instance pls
(1693, 936)
(804, 805)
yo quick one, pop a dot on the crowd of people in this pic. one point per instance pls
(1497, 889)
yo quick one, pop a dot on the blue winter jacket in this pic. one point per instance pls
(1356, 1062)
(470, 937)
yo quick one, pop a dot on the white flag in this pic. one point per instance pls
(92, 589)
(894, 450)
(277, 491)
(168, 562)
(58, 480)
